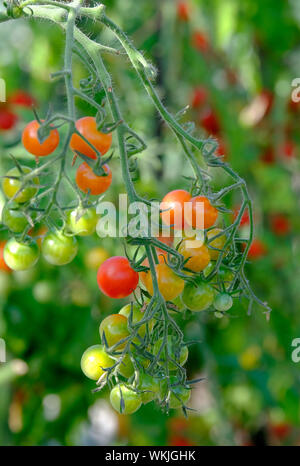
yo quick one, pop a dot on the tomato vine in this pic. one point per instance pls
(137, 352)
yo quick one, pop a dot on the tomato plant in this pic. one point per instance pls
(38, 145)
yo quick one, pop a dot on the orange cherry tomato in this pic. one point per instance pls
(198, 256)
(87, 180)
(173, 208)
(31, 142)
(87, 126)
(201, 206)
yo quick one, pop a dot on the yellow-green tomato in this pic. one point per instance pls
(179, 354)
(149, 387)
(125, 400)
(115, 328)
(198, 297)
(13, 218)
(179, 395)
(126, 368)
(20, 255)
(82, 222)
(137, 315)
(11, 186)
(223, 302)
(58, 248)
(94, 360)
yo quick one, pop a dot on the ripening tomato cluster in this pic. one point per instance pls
(20, 186)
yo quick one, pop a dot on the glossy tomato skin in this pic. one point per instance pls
(201, 210)
(20, 256)
(58, 248)
(217, 243)
(11, 186)
(94, 360)
(8, 119)
(13, 218)
(31, 142)
(87, 181)
(222, 302)
(132, 400)
(95, 257)
(172, 346)
(149, 387)
(116, 278)
(88, 128)
(115, 328)
(198, 297)
(3, 266)
(169, 284)
(172, 206)
(82, 222)
(198, 257)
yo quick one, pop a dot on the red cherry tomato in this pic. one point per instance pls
(88, 128)
(199, 96)
(31, 142)
(280, 225)
(257, 249)
(210, 122)
(183, 11)
(201, 206)
(22, 98)
(245, 220)
(288, 150)
(8, 119)
(173, 208)
(87, 181)
(116, 278)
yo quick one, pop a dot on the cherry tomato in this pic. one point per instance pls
(217, 243)
(82, 222)
(87, 181)
(200, 41)
(210, 122)
(137, 315)
(179, 355)
(20, 256)
(224, 274)
(3, 266)
(7, 119)
(179, 396)
(94, 360)
(126, 367)
(115, 328)
(95, 257)
(22, 98)
(31, 142)
(257, 249)
(173, 208)
(183, 11)
(131, 400)
(149, 387)
(58, 248)
(169, 284)
(116, 278)
(280, 225)
(197, 254)
(201, 210)
(222, 302)
(13, 218)
(245, 220)
(11, 186)
(197, 297)
(199, 97)
(88, 128)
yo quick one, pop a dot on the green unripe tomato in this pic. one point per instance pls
(223, 302)
(173, 352)
(137, 315)
(43, 291)
(224, 274)
(11, 186)
(82, 222)
(13, 218)
(149, 387)
(20, 256)
(94, 360)
(197, 297)
(179, 396)
(132, 400)
(58, 248)
(115, 329)
(126, 368)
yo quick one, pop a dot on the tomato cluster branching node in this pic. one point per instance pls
(150, 352)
